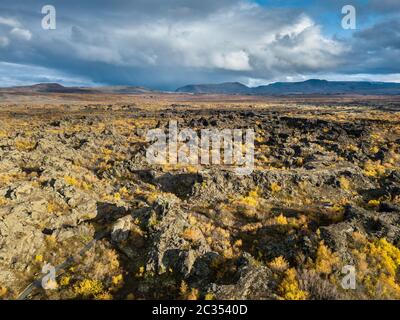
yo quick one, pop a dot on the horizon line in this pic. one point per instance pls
(191, 84)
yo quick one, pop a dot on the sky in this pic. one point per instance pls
(165, 44)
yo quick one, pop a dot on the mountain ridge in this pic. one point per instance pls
(58, 88)
(311, 86)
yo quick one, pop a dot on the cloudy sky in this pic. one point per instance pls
(164, 44)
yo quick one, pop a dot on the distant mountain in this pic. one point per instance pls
(122, 89)
(313, 86)
(44, 88)
(58, 88)
(225, 88)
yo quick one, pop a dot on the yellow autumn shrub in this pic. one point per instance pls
(326, 260)
(289, 288)
(379, 262)
(88, 288)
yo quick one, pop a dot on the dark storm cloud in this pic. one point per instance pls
(165, 44)
(385, 35)
(387, 6)
(376, 49)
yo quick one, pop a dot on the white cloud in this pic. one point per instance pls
(171, 43)
(9, 22)
(11, 28)
(236, 61)
(4, 42)
(22, 34)
(242, 38)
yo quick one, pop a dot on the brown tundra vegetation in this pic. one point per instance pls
(77, 193)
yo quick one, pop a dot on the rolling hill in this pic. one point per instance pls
(312, 86)
(58, 88)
